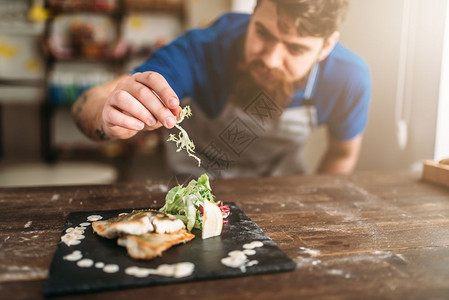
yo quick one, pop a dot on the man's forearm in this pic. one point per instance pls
(86, 113)
(341, 156)
(87, 110)
(334, 164)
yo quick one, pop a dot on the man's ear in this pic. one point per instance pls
(329, 44)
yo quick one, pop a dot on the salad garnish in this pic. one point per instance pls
(187, 203)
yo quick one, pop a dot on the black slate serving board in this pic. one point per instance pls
(65, 277)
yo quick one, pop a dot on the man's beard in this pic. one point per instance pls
(279, 89)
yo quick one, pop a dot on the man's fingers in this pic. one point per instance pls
(125, 102)
(160, 86)
(177, 112)
(152, 104)
(113, 117)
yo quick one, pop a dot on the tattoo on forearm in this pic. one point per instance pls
(101, 134)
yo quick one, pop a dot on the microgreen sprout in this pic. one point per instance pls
(182, 140)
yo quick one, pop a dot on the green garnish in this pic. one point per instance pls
(182, 140)
(183, 202)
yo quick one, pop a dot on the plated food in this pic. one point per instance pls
(150, 245)
(136, 223)
(144, 233)
(147, 233)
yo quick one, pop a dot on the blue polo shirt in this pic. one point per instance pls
(201, 64)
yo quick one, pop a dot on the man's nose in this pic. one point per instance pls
(273, 55)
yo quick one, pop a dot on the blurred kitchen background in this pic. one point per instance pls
(53, 50)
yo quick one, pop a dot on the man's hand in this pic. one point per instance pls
(123, 107)
(143, 101)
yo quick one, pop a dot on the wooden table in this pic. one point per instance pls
(369, 235)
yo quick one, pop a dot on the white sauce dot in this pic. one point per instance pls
(71, 239)
(139, 272)
(183, 269)
(252, 263)
(237, 253)
(257, 244)
(85, 224)
(73, 242)
(73, 235)
(112, 268)
(253, 245)
(68, 236)
(179, 270)
(131, 270)
(143, 273)
(249, 251)
(74, 256)
(99, 265)
(235, 261)
(165, 270)
(85, 263)
(239, 259)
(94, 218)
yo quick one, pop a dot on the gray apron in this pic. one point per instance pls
(255, 139)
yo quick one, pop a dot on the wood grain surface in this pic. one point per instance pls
(368, 235)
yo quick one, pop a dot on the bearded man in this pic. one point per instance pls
(257, 85)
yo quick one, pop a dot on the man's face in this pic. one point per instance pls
(273, 54)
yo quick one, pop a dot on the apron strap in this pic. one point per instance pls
(309, 92)
(311, 82)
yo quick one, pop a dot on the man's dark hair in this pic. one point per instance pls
(319, 18)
